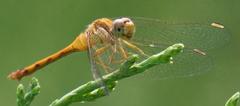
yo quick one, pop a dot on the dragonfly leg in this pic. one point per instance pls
(123, 53)
(130, 45)
(101, 50)
(98, 59)
(103, 65)
(111, 57)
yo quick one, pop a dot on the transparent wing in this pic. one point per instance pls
(195, 35)
(108, 57)
(152, 36)
(94, 68)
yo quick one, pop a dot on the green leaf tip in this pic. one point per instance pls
(20, 89)
(166, 56)
(232, 101)
(26, 96)
(20, 95)
(175, 49)
(34, 86)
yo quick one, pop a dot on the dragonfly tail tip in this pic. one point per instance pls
(16, 75)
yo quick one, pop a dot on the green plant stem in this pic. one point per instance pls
(26, 96)
(91, 90)
(232, 101)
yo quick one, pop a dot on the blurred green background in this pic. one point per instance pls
(33, 29)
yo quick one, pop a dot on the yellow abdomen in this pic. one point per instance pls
(79, 44)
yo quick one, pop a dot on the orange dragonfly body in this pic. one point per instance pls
(111, 41)
(95, 32)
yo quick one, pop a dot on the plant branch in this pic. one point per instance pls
(232, 101)
(26, 96)
(91, 90)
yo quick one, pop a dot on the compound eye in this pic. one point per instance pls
(118, 26)
(119, 29)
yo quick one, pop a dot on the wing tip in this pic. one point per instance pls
(217, 25)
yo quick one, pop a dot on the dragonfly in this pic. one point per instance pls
(109, 42)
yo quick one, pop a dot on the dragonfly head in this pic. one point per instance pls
(123, 28)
